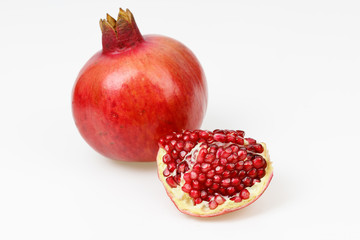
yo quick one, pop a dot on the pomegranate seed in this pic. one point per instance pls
(201, 156)
(215, 186)
(186, 138)
(194, 136)
(182, 167)
(187, 177)
(174, 154)
(171, 182)
(177, 179)
(204, 134)
(222, 191)
(197, 168)
(169, 137)
(219, 152)
(233, 158)
(236, 199)
(173, 143)
(249, 157)
(186, 188)
(239, 165)
(179, 135)
(226, 182)
(259, 162)
(240, 187)
(230, 190)
(250, 141)
(212, 205)
(215, 163)
(166, 172)
(219, 169)
(233, 173)
(230, 137)
(261, 172)
(210, 140)
(239, 140)
(255, 180)
(223, 161)
(188, 146)
(217, 179)
(194, 193)
(242, 174)
(225, 154)
(226, 174)
(205, 167)
(219, 199)
(240, 132)
(196, 184)
(171, 166)
(198, 201)
(193, 175)
(203, 194)
(201, 177)
(247, 181)
(242, 154)
(252, 173)
(230, 166)
(161, 142)
(187, 132)
(210, 173)
(213, 149)
(209, 158)
(219, 131)
(219, 137)
(182, 154)
(211, 193)
(167, 158)
(208, 182)
(235, 181)
(234, 148)
(248, 165)
(244, 194)
(258, 148)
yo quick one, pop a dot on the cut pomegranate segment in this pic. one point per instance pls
(218, 172)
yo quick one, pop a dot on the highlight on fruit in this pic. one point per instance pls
(209, 173)
(135, 90)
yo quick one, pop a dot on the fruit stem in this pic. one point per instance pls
(120, 34)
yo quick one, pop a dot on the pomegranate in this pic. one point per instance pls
(211, 173)
(136, 89)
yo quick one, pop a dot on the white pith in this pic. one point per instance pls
(185, 203)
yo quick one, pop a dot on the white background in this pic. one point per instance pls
(286, 72)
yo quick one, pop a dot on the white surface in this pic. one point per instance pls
(287, 73)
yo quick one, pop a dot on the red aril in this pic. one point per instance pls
(136, 89)
(221, 172)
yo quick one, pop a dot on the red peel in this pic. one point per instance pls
(138, 88)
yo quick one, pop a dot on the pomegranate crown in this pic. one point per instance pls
(121, 33)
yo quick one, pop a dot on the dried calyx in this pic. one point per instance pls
(210, 173)
(121, 33)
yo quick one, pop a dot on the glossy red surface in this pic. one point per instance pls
(124, 101)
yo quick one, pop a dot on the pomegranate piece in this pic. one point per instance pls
(218, 172)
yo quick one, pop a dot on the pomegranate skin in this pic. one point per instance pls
(124, 100)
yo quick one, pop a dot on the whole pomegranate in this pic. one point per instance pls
(137, 89)
(211, 173)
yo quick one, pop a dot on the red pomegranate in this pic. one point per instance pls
(211, 173)
(137, 89)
